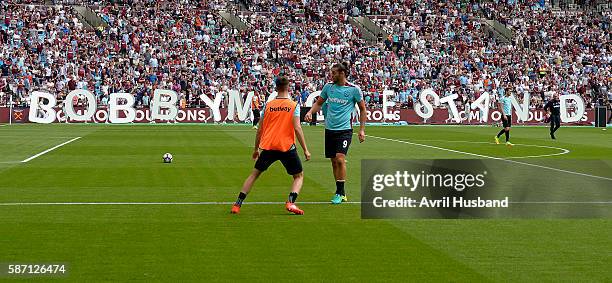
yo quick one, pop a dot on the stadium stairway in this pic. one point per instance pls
(233, 20)
(368, 27)
(366, 33)
(89, 18)
(497, 30)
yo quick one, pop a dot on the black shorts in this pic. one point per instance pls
(337, 142)
(290, 160)
(555, 120)
(508, 122)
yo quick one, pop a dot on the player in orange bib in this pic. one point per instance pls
(279, 125)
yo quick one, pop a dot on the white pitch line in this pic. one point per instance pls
(3, 125)
(563, 150)
(51, 137)
(48, 150)
(163, 203)
(250, 203)
(492, 157)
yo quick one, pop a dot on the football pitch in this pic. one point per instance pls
(99, 198)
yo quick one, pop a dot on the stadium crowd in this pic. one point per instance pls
(186, 46)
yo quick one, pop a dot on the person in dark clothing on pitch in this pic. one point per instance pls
(610, 110)
(256, 108)
(553, 112)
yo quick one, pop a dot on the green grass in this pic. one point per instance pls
(115, 163)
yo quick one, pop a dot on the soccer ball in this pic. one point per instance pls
(167, 158)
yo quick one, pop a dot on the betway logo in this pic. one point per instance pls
(338, 100)
(280, 108)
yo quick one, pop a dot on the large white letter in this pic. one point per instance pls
(310, 101)
(235, 104)
(214, 106)
(90, 110)
(46, 110)
(157, 104)
(425, 103)
(114, 107)
(483, 103)
(311, 98)
(521, 112)
(272, 96)
(450, 100)
(386, 104)
(565, 118)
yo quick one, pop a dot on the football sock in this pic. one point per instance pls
(500, 133)
(556, 128)
(292, 197)
(240, 199)
(340, 187)
(507, 136)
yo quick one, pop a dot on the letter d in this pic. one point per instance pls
(157, 104)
